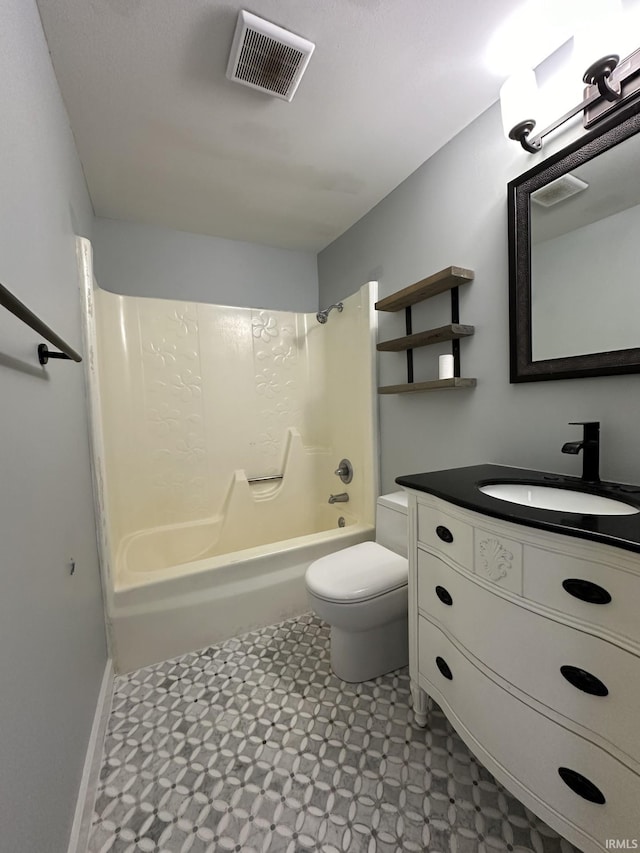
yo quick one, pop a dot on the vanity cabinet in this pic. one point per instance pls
(530, 642)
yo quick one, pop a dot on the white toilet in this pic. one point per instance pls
(361, 592)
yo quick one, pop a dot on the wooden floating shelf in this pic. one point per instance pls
(450, 332)
(455, 384)
(441, 281)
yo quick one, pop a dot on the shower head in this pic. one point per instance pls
(323, 316)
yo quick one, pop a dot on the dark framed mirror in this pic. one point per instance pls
(574, 258)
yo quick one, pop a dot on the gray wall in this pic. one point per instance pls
(52, 646)
(149, 260)
(453, 211)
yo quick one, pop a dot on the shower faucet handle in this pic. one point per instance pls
(344, 471)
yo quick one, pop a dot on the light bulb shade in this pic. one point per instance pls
(519, 100)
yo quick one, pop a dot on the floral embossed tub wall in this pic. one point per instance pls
(197, 399)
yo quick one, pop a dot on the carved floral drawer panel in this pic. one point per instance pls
(497, 559)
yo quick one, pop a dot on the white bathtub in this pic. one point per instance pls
(191, 406)
(161, 614)
(180, 587)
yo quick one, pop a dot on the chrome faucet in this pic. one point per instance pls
(590, 446)
(342, 498)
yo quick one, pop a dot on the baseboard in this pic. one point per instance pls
(90, 774)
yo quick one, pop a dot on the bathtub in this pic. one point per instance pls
(180, 587)
(215, 435)
(162, 613)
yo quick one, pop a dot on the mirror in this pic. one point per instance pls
(574, 258)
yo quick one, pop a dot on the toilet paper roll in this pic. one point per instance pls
(445, 367)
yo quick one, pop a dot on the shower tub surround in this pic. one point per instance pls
(254, 745)
(189, 403)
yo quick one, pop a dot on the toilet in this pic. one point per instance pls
(361, 592)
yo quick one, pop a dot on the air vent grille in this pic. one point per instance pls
(558, 190)
(267, 57)
(267, 64)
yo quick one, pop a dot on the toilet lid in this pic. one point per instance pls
(357, 573)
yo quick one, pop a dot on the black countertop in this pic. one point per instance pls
(459, 486)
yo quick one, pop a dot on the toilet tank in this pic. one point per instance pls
(391, 522)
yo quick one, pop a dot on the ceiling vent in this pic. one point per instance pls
(558, 190)
(267, 57)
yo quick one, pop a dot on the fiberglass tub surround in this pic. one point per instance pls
(193, 405)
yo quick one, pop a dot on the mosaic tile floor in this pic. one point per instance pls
(254, 745)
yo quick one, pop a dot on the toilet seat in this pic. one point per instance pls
(357, 574)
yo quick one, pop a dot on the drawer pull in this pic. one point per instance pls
(581, 786)
(444, 595)
(584, 681)
(443, 666)
(444, 533)
(586, 591)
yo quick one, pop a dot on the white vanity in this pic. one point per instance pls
(529, 640)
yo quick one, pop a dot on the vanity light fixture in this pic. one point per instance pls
(610, 83)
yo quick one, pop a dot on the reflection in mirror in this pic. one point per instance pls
(585, 228)
(574, 258)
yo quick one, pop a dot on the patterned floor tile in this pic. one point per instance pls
(254, 746)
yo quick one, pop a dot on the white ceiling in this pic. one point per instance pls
(166, 139)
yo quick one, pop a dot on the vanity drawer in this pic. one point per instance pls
(527, 745)
(586, 679)
(446, 534)
(545, 572)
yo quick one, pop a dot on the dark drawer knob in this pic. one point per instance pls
(444, 595)
(581, 786)
(586, 591)
(443, 666)
(444, 533)
(584, 680)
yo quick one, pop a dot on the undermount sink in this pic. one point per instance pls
(559, 500)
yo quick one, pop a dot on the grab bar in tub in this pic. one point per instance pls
(264, 479)
(13, 304)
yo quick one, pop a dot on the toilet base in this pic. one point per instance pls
(364, 655)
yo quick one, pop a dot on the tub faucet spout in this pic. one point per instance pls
(342, 498)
